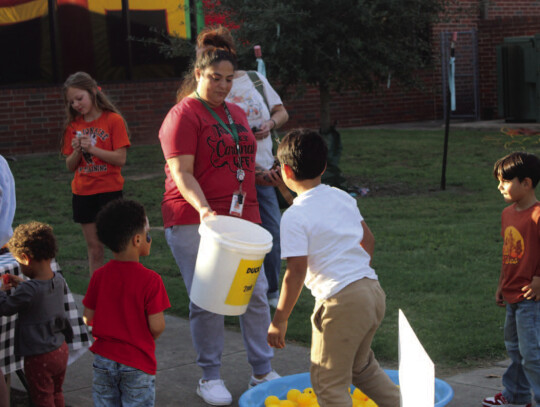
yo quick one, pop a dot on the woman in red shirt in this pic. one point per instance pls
(210, 152)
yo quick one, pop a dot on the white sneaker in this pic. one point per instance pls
(270, 376)
(214, 392)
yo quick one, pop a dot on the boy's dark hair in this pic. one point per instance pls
(518, 164)
(118, 221)
(305, 151)
(35, 239)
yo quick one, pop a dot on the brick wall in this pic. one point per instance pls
(490, 34)
(31, 119)
(506, 8)
(354, 108)
(494, 20)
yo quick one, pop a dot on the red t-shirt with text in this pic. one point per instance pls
(521, 250)
(190, 129)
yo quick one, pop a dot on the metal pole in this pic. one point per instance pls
(127, 31)
(446, 133)
(447, 116)
(53, 37)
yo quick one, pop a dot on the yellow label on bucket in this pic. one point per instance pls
(244, 282)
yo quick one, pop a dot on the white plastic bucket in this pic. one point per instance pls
(230, 258)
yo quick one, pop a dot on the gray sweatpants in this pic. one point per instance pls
(207, 328)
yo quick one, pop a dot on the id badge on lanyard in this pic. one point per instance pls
(239, 196)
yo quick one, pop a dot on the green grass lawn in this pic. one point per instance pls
(437, 252)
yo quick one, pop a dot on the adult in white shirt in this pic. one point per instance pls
(263, 118)
(7, 201)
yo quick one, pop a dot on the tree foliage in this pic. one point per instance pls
(335, 44)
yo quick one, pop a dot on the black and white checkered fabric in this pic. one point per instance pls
(82, 340)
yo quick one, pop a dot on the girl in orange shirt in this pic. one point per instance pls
(95, 144)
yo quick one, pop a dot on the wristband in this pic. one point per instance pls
(275, 124)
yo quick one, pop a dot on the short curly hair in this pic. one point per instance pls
(118, 221)
(35, 239)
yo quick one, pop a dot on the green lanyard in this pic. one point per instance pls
(240, 174)
(232, 131)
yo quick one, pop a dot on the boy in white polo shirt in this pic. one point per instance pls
(328, 246)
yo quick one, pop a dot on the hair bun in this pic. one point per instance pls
(217, 37)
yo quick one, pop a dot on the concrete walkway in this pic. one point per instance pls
(178, 374)
(471, 387)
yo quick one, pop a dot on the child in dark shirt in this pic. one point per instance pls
(42, 324)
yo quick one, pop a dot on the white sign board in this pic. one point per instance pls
(416, 370)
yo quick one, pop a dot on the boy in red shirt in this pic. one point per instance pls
(519, 281)
(125, 303)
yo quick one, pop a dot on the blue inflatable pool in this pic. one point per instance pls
(279, 387)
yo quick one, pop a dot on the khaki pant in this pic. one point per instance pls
(343, 327)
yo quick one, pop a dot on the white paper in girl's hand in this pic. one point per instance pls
(416, 370)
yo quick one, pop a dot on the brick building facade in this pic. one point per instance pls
(31, 118)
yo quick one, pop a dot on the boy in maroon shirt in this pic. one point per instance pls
(519, 282)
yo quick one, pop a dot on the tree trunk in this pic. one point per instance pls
(325, 121)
